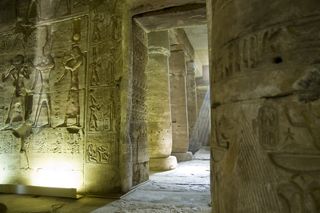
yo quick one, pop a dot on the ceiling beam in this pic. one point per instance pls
(173, 17)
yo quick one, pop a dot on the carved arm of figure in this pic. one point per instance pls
(61, 77)
(94, 103)
(74, 67)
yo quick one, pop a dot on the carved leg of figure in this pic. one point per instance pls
(78, 121)
(35, 123)
(48, 112)
(9, 112)
(22, 149)
(95, 123)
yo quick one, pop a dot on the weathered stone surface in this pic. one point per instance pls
(175, 17)
(265, 83)
(187, 156)
(179, 115)
(142, 6)
(158, 103)
(184, 189)
(158, 96)
(163, 164)
(59, 105)
(191, 102)
(138, 122)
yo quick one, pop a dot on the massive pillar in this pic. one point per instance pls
(138, 122)
(192, 105)
(158, 103)
(266, 105)
(179, 113)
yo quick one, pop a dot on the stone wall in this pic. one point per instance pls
(265, 105)
(60, 102)
(138, 125)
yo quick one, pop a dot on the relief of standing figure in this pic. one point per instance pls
(44, 69)
(94, 108)
(18, 72)
(73, 64)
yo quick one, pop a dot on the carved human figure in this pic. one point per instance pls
(95, 80)
(115, 23)
(94, 108)
(18, 72)
(96, 67)
(44, 69)
(92, 154)
(111, 63)
(98, 21)
(107, 118)
(98, 154)
(103, 154)
(73, 64)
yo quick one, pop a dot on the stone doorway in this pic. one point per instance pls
(171, 86)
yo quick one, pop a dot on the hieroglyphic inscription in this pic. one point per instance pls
(101, 115)
(55, 142)
(98, 21)
(98, 153)
(102, 71)
(247, 53)
(100, 149)
(138, 127)
(268, 120)
(101, 94)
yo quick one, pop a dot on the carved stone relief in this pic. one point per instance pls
(98, 154)
(58, 92)
(101, 111)
(268, 122)
(138, 131)
(102, 98)
(267, 46)
(100, 148)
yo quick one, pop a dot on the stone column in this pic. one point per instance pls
(179, 113)
(266, 105)
(192, 105)
(158, 103)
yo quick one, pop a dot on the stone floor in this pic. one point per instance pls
(185, 189)
(34, 204)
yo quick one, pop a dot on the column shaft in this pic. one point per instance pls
(158, 103)
(178, 99)
(192, 106)
(266, 101)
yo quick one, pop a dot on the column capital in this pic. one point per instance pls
(159, 50)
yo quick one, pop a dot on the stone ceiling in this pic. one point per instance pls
(142, 6)
(198, 36)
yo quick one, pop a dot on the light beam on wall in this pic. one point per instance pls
(57, 174)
